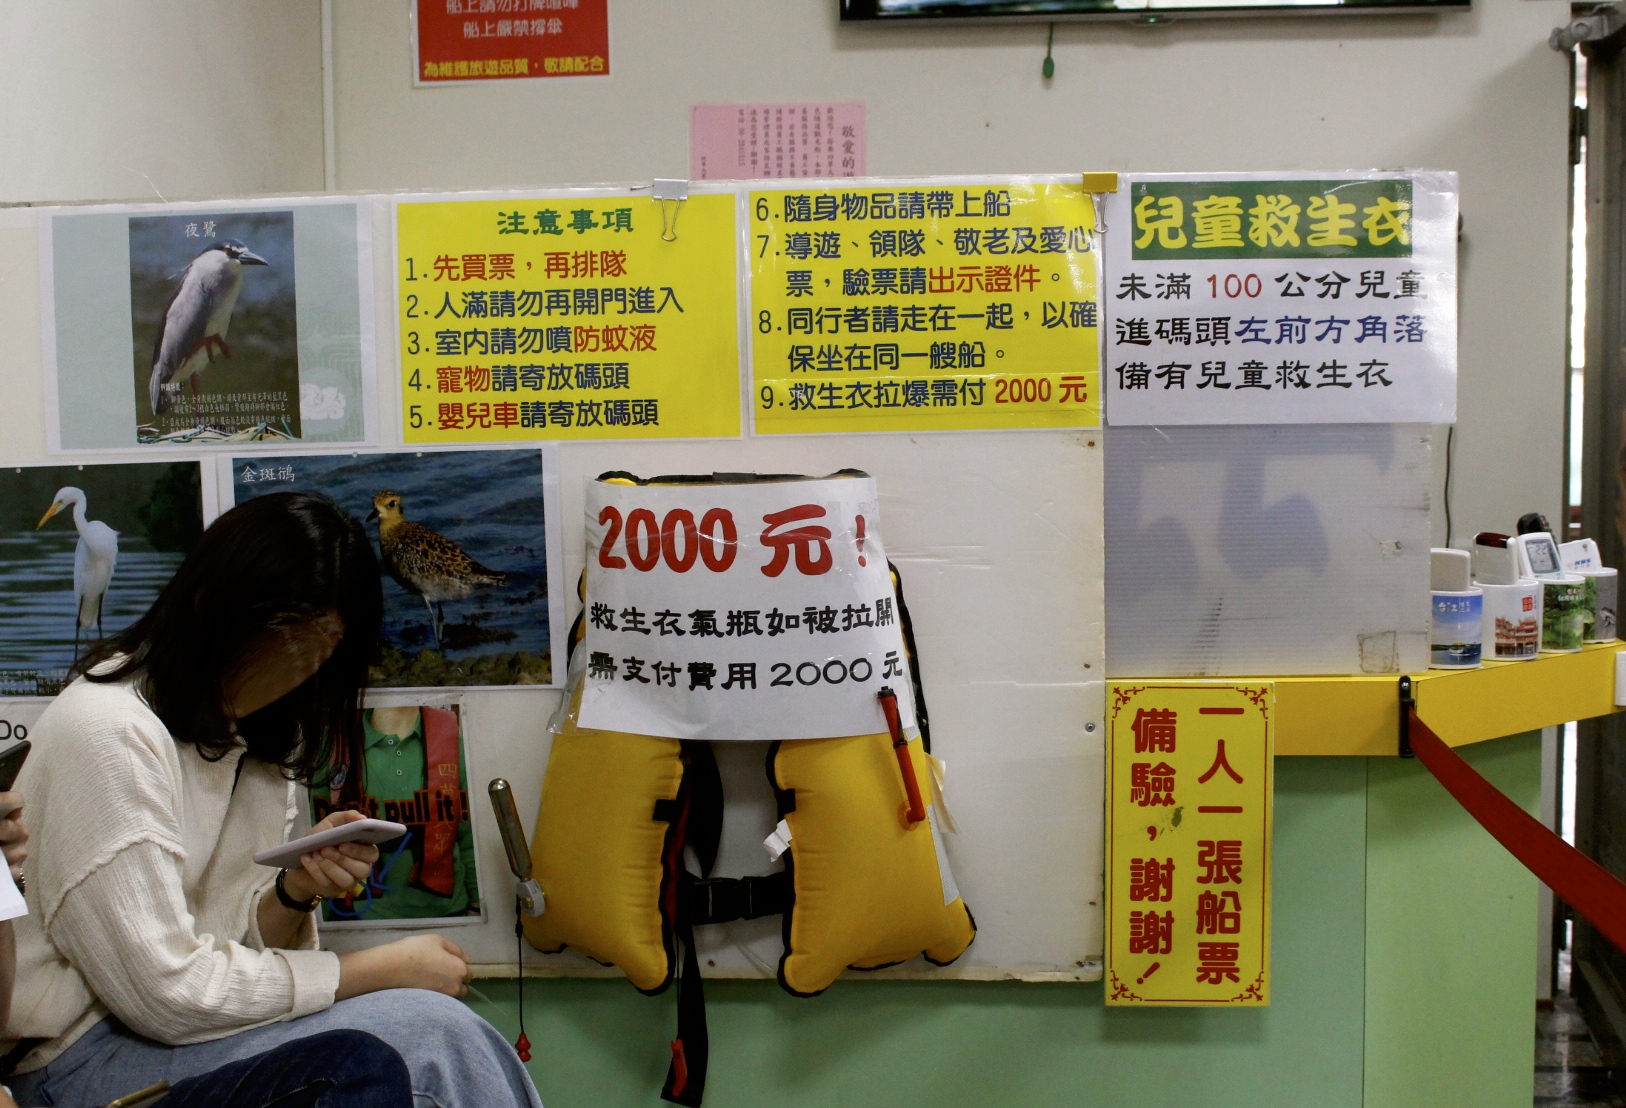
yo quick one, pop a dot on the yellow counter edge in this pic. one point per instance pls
(1360, 715)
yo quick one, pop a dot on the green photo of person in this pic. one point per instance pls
(415, 774)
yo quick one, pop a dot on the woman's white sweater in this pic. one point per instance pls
(143, 895)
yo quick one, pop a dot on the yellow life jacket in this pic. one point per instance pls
(868, 889)
(862, 887)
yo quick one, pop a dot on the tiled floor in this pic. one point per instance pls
(1569, 1073)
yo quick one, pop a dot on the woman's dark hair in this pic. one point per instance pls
(271, 564)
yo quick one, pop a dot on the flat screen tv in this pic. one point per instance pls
(1146, 11)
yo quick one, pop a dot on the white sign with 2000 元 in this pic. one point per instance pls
(760, 610)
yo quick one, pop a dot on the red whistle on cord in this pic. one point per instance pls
(915, 810)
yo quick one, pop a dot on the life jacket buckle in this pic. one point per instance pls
(725, 899)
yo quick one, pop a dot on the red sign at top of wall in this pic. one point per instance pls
(483, 40)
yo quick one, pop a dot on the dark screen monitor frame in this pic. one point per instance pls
(875, 11)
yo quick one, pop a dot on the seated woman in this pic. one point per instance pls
(155, 948)
(334, 1069)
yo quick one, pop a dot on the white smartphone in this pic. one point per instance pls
(372, 831)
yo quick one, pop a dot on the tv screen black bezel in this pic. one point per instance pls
(1055, 11)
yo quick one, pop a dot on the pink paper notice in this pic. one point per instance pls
(745, 141)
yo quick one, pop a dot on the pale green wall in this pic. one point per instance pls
(1403, 966)
(1450, 940)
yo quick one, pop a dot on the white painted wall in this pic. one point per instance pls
(184, 99)
(169, 99)
(1480, 93)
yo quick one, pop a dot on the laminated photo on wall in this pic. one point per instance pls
(84, 551)
(755, 610)
(414, 772)
(197, 325)
(469, 553)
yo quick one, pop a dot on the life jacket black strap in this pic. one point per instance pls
(686, 1075)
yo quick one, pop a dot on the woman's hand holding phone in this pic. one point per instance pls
(332, 870)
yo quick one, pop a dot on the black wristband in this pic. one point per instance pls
(288, 902)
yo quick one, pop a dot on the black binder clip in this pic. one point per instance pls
(1407, 704)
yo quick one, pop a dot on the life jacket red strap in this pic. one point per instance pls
(437, 871)
(680, 1069)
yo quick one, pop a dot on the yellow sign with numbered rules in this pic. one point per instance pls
(923, 307)
(584, 316)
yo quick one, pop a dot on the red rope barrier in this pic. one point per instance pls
(1580, 882)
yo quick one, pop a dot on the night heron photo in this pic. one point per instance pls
(93, 560)
(193, 328)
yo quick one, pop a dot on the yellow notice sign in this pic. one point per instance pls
(923, 308)
(1188, 843)
(567, 318)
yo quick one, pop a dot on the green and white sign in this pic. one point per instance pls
(1272, 298)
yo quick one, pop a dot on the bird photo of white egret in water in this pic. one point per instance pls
(462, 543)
(215, 327)
(84, 551)
(94, 557)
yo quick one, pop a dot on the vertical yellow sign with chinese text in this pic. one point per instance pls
(567, 318)
(1189, 793)
(924, 308)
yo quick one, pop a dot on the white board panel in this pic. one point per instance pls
(1261, 550)
(998, 538)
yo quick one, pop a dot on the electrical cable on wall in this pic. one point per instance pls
(1049, 67)
(1450, 433)
(522, 1045)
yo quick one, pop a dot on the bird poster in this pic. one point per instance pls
(183, 326)
(470, 556)
(84, 551)
(208, 307)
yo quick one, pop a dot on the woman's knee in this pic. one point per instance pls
(347, 1068)
(352, 1057)
(420, 1023)
(454, 1056)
